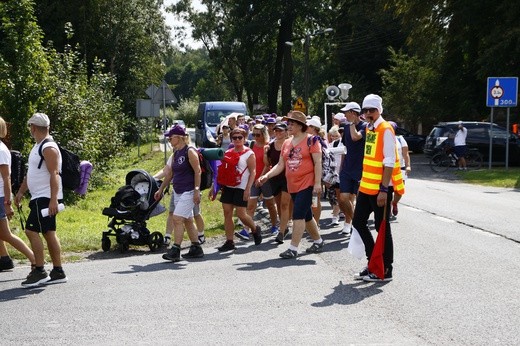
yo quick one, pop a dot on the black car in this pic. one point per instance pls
(478, 137)
(415, 141)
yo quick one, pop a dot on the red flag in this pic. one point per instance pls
(376, 264)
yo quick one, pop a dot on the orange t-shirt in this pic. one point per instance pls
(299, 166)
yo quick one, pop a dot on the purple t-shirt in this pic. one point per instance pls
(183, 174)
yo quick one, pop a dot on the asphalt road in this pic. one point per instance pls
(456, 273)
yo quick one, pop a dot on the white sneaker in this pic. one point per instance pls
(167, 240)
(346, 230)
(335, 221)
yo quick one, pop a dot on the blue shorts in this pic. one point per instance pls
(302, 201)
(348, 185)
(2, 208)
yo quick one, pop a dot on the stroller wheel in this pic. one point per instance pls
(155, 241)
(124, 244)
(105, 244)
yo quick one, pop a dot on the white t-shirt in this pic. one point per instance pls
(460, 137)
(5, 159)
(38, 180)
(242, 165)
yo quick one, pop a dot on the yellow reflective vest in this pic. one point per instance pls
(373, 163)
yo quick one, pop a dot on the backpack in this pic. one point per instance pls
(18, 170)
(227, 172)
(70, 171)
(206, 172)
(328, 164)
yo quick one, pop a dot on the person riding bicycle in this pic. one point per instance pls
(460, 147)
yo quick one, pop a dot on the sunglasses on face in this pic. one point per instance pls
(237, 138)
(369, 110)
(278, 130)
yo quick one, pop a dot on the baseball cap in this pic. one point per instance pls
(39, 119)
(351, 106)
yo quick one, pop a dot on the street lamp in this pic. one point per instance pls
(306, 46)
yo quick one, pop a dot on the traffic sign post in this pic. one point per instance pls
(501, 92)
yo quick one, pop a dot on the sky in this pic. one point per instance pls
(171, 21)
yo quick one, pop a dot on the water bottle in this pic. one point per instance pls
(314, 200)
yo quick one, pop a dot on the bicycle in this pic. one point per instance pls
(447, 158)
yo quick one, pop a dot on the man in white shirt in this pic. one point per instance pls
(44, 183)
(460, 145)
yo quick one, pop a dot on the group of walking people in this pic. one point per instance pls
(285, 169)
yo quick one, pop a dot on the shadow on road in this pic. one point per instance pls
(350, 293)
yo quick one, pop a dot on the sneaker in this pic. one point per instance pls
(274, 230)
(6, 264)
(346, 231)
(373, 278)
(394, 209)
(229, 245)
(280, 236)
(289, 254)
(35, 278)
(341, 216)
(195, 252)
(335, 221)
(202, 239)
(243, 234)
(361, 274)
(316, 248)
(174, 254)
(167, 240)
(57, 277)
(257, 236)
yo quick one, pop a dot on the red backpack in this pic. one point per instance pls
(228, 173)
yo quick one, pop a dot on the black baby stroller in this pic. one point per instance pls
(129, 209)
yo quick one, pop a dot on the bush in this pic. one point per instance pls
(187, 111)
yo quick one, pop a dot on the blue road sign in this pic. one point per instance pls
(502, 91)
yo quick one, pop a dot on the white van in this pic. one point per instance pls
(209, 115)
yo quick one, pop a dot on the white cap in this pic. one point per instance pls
(314, 121)
(351, 106)
(339, 116)
(39, 119)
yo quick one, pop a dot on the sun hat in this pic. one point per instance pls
(175, 130)
(351, 106)
(296, 116)
(39, 119)
(373, 101)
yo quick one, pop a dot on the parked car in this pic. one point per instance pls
(415, 141)
(478, 137)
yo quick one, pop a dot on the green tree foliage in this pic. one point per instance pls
(475, 39)
(86, 116)
(23, 68)
(408, 84)
(129, 35)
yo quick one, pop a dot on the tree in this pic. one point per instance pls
(23, 67)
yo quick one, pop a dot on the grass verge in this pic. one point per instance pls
(498, 177)
(81, 224)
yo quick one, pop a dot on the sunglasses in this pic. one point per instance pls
(278, 130)
(369, 110)
(237, 138)
(257, 134)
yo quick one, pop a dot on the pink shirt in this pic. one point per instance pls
(299, 166)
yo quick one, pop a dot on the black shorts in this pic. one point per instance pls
(233, 196)
(278, 184)
(35, 221)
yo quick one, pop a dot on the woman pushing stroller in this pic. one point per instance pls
(186, 193)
